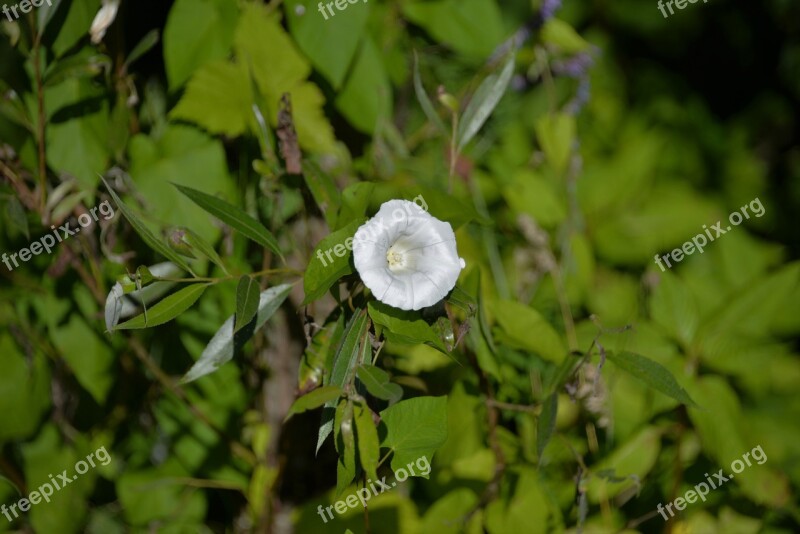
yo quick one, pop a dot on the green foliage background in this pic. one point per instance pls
(567, 384)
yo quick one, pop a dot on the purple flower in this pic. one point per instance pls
(549, 7)
(575, 67)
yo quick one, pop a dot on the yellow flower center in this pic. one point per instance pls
(396, 259)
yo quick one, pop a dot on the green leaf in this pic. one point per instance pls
(484, 101)
(405, 326)
(651, 373)
(425, 102)
(368, 446)
(233, 217)
(366, 97)
(546, 424)
(377, 383)
(673, 307)
(415, 428)
(167, 309)
(17, 216)
(218, 98)
(45, 14)
(344, 364)
(314, 32)
(196, 242)
(147, 236)
(559, 33)
(314, 399)
(527, 329)
(474, 28)
(144, 46)
(79, 65)
(225, 343)
(556, 134)
(345, 440)
(324, 191)
(355, 201)
(197, 31)
(247, 296)
(326, 266)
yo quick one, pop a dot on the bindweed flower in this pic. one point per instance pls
(103, 20)
(407, 257)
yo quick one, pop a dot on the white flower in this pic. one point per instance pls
(103, 20)
(407, 257)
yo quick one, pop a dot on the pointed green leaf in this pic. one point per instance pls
(651, 373)
(167, 309)
(556, 134)
(202, 246)
(147, 236)
(484, 101)
(425, 102)
(222, 346)
(415, 428)
(314, 399)
(247, 296)
(377, 383)
(345, 362)
(233, 217)
(345, 440)
(546, 424)
(368, 446)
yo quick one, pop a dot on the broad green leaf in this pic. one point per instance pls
(484, 101)
(626, 467)
(345, 441)
(218, 98)
(366, 97)
(233, 217)
(330, 262)
(16, 216)
(473, 28)
(26, 382)
(673, 307)
(197, 31)
(314, 399)
(446, 514)
(559, 33)
(404, 326)
(367, 434)
(377, 383)
(546, 423)
(77, 144)
(146, 235)
(74, 26)
(556, 134)
(314, 32)
(528, 500)
(343, 368)
(355, 201)
(222, 346)
(425, 102)
(415, 428)
(651, 373)
(184, 155)
(247, 297)
(530, 193)
(45, 13)
(90, 358)
(167, 309)
(528, 330)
